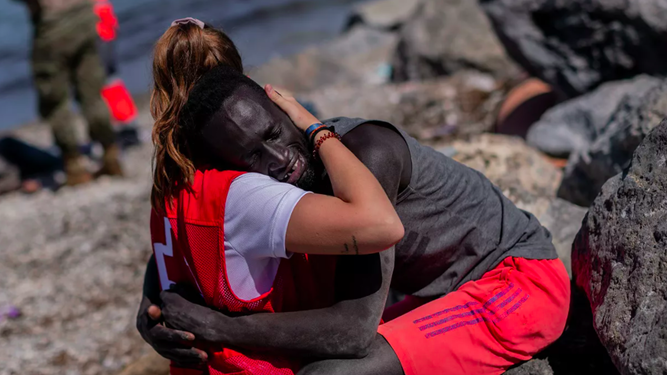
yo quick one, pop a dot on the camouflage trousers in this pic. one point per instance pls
(65, 59)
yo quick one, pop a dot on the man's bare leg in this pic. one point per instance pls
(380, 361)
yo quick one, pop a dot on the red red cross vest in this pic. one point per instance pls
(189, 248)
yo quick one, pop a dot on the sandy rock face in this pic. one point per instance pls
(620, 257)
(575, 124)
(359, 57)
(150, 364)
(10, 178)
(563, 219)
(446, 36)
(611, 150)
(73, 263)
(457, 106)
(532, 367)
(383, 14)
(577, 45)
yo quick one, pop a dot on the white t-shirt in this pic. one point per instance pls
(257, 212)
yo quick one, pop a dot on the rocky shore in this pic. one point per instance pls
(72, 260)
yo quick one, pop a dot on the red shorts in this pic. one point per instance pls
(487, 325)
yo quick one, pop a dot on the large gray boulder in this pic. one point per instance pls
(383, 14)
(451, 107)
(563, 220)
(532, 367)
(359, 57)
(72, 261)
(611, 152)
(619, 260)
(576, 45)
(576, 123)
(10, 178)
(445, 36)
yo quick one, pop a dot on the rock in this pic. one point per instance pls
(619, 259)
(360, 57)
(563, 220)
(383, 14)
(457, 106)
(445, 36)
(521, 172)
(72, 261)
(579, 351)
(611, 152)
(532, 367)
(150, 364)
(10, 177)
(576, 123)
(575, 46)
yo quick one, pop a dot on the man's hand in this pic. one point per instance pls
(170, 343)
(182, 309)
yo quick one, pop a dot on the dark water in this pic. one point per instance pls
(261, 29)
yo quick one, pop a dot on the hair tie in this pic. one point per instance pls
(187, 20)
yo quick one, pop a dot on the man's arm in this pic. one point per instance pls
(169, 343)
(343, 330)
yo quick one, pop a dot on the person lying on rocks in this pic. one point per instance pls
(484, 287)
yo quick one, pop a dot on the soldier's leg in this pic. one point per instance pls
(89, 78)
(51, 79)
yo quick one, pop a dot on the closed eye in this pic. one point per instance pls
(275, 133)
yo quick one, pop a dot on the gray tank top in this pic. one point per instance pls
(458, 225)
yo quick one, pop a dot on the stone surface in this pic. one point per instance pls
(73, 262)
(383, 14)
(445, 36)
(359, 57)
(563, 220)
(611, 151)
(577, 45)
(150, 364)
(10, 177)
(576, 123)
(457, 106)
(579, 351)
(620, 260)
(520, 171)
(532, 367)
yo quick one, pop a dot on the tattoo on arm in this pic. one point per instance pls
(354, 244)
(356, 248)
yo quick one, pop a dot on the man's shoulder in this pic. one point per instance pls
(376, 138)
(384, 151)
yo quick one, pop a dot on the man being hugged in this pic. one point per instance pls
(485, 288)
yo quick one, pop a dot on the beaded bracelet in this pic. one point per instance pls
(319, 142)
(315, 132)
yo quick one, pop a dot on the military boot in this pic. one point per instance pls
(111, 162)
(76, 171)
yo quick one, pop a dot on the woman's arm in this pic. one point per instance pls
(358, 220)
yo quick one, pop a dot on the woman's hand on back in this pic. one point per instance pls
(299, 115)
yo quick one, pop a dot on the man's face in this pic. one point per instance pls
(250, 133)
